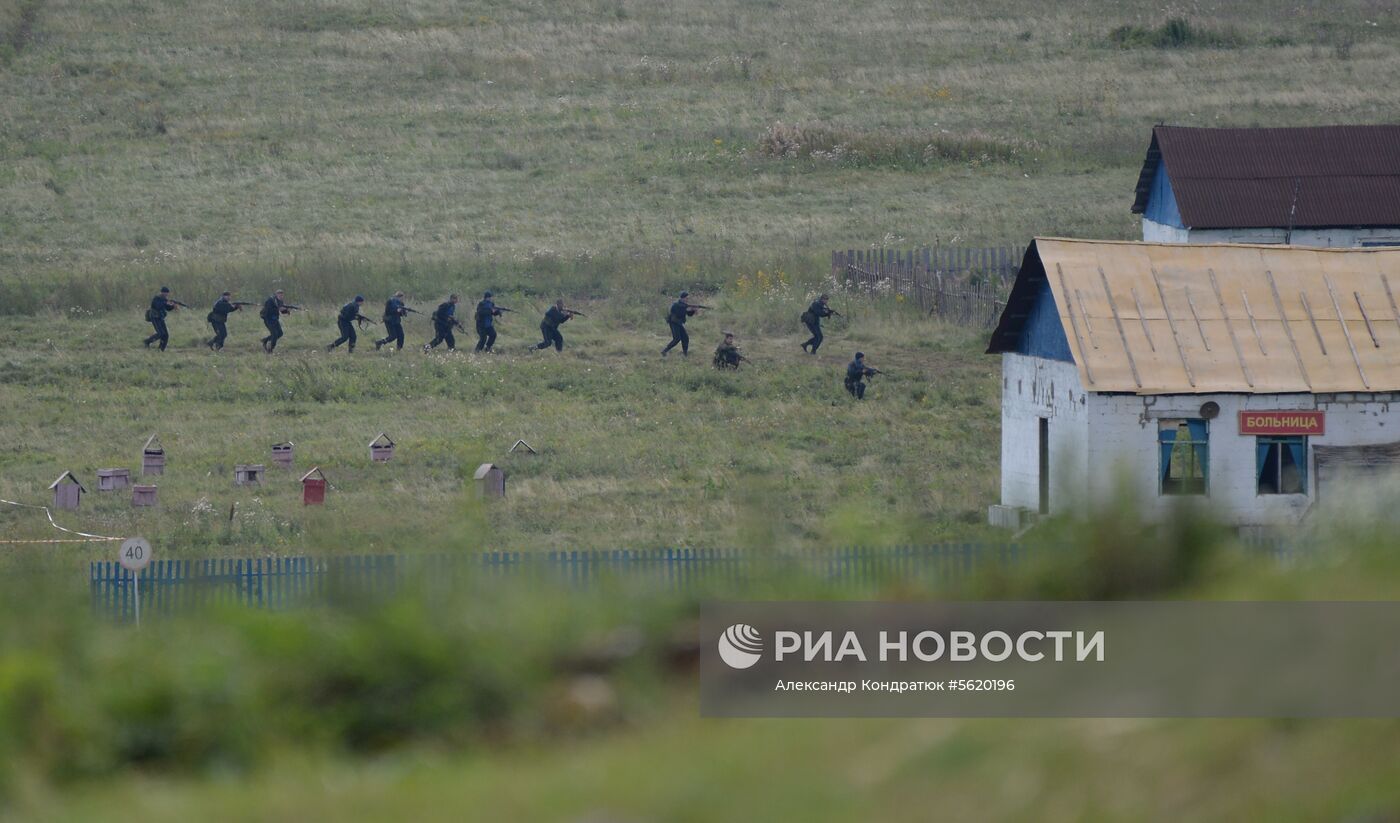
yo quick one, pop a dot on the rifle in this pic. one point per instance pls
(872, 372)
(407, 310)
(178, 303)
(573, 313)
(290, 307)
(697, 306)
(835, 313)
(502, 308)
(362, 320)
(243, 303)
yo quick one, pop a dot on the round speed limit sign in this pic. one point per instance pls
(135, 554)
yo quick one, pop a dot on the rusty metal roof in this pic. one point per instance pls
(1156, 318)
(1247, 178)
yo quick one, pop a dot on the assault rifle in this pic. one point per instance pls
(697, 306)
(242, 303)
(407, 310)
(572, 313)
(286, 307)
(177, 303)
(503, 308)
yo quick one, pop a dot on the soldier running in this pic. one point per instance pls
(218, 318)
(161, 305)
(349, 315)
(727, 355)
(486, 313)
(856, 373)
(443, 322)
(549, 326)
(680, 311)
(394, 313)
(812, 319)
(272, 310)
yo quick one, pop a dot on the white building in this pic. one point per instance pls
(1247, 375)
(1329, 186)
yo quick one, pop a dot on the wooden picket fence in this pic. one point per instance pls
(955, 284)
(171, 586)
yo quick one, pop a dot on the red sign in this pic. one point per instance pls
(1282, 422)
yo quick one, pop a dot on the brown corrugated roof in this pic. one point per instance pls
(1246, 178)
(1156, 318)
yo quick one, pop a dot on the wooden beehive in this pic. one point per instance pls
(491, 481)
(143, 496)
(153, 457)
(109, 480)
(282, 454)
(248, 475)
(67, 491)
(313, 488)
(381, 449)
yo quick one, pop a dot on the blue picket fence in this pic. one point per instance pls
(167, 586)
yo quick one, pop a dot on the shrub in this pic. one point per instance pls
(886, 148)
(1175, 33)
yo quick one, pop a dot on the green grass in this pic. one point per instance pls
(826, 770)
(611, 151)
(137, 135)
(635, 451)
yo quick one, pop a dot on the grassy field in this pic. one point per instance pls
(635, 451)
(829, 770)
(139, 134)
(611, 152)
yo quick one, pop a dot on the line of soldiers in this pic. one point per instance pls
(444, 319)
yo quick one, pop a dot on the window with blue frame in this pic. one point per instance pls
(1185, 449)
(1282, 464)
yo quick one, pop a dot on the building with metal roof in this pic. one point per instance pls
(1252, 375)
(1330, 186)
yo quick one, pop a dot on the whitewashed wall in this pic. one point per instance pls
(1034, 388)
(1154, 232)
(1122, 446)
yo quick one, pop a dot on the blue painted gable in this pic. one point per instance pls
(1161, 201)
(1043, 335)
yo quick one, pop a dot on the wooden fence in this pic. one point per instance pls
(170, 586)
(955, 284)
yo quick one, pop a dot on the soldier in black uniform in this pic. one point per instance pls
(349, 314)
(272, 310)
(161, 305)
(549, 326)
(675, 318)
(812, 319)
(856, 373)
(218, 318)
(394, 313)
(727, 355)
(486, 314)
(443, 323)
